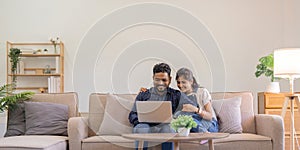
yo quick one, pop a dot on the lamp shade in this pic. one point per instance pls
(287, 63)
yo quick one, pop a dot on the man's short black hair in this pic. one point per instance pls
(162, 67)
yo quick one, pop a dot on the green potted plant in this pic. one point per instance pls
(266, 68)
(9, 99)
(14, 55)
(183, 124)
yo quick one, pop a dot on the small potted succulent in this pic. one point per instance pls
(183, 124)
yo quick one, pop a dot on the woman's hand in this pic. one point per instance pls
(142, 89)
(189, 108)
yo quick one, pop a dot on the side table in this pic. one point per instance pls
(291, 98)
(273, 103)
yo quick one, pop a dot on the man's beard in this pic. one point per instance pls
(161, 88)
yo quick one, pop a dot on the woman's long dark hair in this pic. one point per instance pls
(187, 75)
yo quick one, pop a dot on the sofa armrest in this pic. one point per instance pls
(273, 127)
(77, 130)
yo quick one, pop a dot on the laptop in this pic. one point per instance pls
(154, 111)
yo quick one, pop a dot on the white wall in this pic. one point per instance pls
(111, 46)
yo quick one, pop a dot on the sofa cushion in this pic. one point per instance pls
(247, 113)
(46, 118)
(115, 120)
(69, 98)
(34, 142)
(16, 121)
(229, 114)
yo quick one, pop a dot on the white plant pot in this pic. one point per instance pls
(3, 123)
(273, 87)
(183, 131)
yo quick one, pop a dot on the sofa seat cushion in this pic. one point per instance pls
(243, 137)
(106, 142)
(106, 138)
(34, 142)
(252, 141)
(243, 141)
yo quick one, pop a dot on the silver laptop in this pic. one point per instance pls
(154, 111)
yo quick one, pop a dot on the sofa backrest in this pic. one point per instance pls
(70, 99)
(97, 102)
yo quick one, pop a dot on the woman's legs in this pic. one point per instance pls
(205, 125)
(214, 127)
(202, 124)
(196, 129)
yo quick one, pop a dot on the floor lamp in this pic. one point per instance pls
(287, 65)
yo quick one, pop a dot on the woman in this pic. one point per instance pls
(204, 114)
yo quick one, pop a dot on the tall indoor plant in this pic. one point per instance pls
(14, 55)
(266, 68)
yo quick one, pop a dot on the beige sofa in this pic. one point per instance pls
(44, 142)
(260, 132)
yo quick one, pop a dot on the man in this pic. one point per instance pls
(159, 92)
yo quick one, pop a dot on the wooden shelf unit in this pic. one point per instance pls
(35, 63)
(26, 88)
(35, 75)
(40, 55)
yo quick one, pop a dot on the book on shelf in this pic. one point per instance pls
(20, 68)
(57, 65)
(49, 85)
(54, 84)
(57, 85)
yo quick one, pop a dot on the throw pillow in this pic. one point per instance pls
(16, 121)
(114, 122)
(229, 114)
(46, 118)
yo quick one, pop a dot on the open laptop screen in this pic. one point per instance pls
(154, 111)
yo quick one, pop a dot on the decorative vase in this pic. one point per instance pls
(183, 131)
(273, 87)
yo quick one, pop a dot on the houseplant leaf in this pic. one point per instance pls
(265, 67)
(9, 99)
